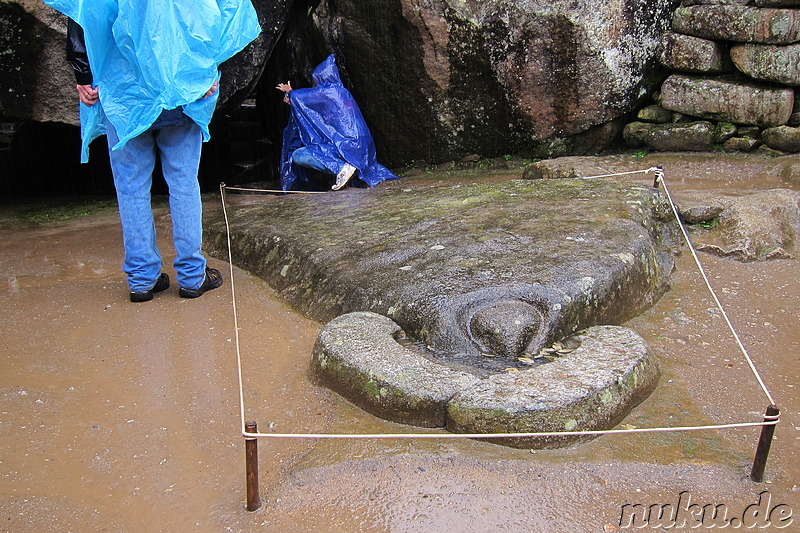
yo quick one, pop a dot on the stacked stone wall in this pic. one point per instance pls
(733, 80)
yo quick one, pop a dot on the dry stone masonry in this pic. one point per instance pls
(734, 73)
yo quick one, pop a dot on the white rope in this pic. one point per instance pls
(772, 422)
(651, 169)
(660, 179)
(235, 312)
(276, 191)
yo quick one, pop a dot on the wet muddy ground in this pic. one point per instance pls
(125, 417)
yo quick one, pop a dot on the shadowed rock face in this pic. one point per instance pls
(37, 84)
(241, 73)
(438, 80)
(501, 268)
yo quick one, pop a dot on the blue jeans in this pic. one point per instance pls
(178, 141)
(304, 158)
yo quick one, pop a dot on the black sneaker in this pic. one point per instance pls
(162, 284)
(212, 280)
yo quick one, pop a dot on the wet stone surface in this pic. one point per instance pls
(590, 385)
(499, 269)
(442, 262)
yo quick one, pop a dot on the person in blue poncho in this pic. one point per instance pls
(327, 133)
(147, 74)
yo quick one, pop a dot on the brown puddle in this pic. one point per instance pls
(125, 417)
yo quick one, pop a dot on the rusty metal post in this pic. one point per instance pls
(764, 443)
(251, 465)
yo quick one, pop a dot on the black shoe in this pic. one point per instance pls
(212, 280)
(162, 284)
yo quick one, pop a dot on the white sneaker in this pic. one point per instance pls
(344, 176)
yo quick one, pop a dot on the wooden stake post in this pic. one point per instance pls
(251, 465)
(764, 443)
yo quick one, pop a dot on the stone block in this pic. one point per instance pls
(655, 114)
(730, 101)
(778, 3)
(779, 64)
(674, 137)
(686, 53)
(756, 227)
(741, 144)
(783, 138)
(739, 23)
(716, 2)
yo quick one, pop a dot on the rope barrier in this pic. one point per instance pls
(273, 191)
(222, 188)
(772, 422)
(768, 420)
(651, 169)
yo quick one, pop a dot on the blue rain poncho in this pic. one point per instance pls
(151, 55)
(326, 120)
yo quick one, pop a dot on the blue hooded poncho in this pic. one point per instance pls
(151, 55)
(326, 120)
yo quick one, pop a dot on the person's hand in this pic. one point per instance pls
(285, 88)
(87, 94)
(212, 90)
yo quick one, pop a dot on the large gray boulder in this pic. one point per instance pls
(444, 79)
(780, 64)
(436, 81)
(727, 100)
(501, 268)
(739, 23)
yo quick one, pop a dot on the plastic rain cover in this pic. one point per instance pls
(151, 55)
(326, 120)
